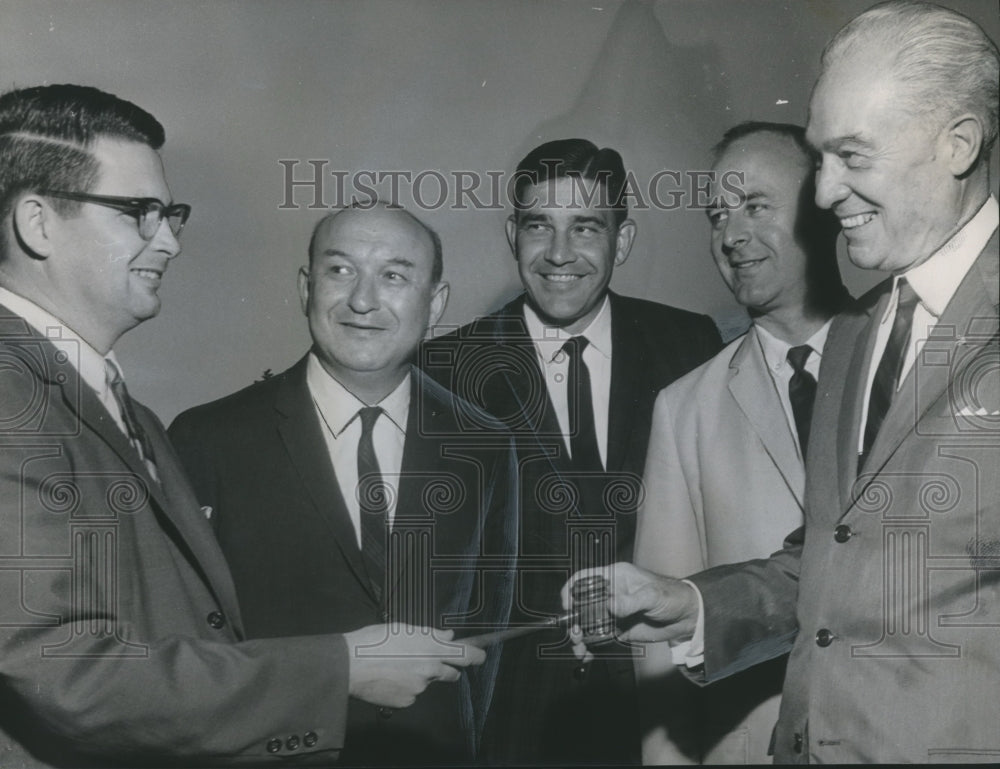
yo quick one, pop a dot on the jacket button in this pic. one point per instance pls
(797, 743)
(216, 620)
(309, 739)
(292, 743)
(842, 533)
(824, 637)
(273, 745)
(384, 712)
(580, 672)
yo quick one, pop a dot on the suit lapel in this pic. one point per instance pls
(171, 498)
(968, 324)
(301, 434)
(626, 380)
(752, 388)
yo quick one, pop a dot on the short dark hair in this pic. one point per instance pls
(46, 133)
(795, 133)
(437, 266)
(573, 158)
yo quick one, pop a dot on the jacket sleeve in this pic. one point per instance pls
(750, 609)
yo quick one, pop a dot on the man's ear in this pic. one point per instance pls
(964, 137)
(33, 221)
(623, 241)
(511, 227)
(439, 300)
(303, 282)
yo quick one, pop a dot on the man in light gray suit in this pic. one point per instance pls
(724, 475)
(888, 598)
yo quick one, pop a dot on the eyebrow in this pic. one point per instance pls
(832, 145)
(400, 261)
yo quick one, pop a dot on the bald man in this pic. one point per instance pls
(352, 489)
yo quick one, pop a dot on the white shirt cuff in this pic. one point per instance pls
(692, 653)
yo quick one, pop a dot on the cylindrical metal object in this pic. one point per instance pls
(590, 603)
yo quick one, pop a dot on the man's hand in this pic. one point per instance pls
(646, 606)
(391, 664)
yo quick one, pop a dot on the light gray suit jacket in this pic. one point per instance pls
(891, 597)
(724, 483)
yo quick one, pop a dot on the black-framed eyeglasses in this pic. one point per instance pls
(148, 212)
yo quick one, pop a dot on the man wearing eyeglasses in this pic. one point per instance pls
(121, 642)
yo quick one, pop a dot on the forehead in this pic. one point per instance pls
(768, 163)
(377, 234)
(568, 197)
(857, 99)
(129, 169)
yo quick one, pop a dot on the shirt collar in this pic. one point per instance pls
(87, 361)
(936, 280)
(339, 406)
(776, 350)
(550, 339)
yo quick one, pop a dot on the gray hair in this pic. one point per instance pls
(945, 60)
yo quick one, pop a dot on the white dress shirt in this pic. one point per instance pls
(88, 362)
(548, 342)
(337, 409)
(775, 352)
(935, 282)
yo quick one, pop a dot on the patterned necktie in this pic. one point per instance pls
(886, 380)
(582, 433)
(801, 392)
(136, 435)
(373, 498)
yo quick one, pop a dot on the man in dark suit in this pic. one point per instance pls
(573, 370)
(121, 640)
(888, 598)
(286, 466)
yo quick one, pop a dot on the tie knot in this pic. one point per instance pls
(368, 416)
(907, 296)
(112, 374)
(575, 346)
(797, 357)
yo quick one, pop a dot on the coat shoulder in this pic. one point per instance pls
(662, 316)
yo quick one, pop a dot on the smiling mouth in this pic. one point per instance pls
(359, 327)
(746, 264)
(147, 273)
(560, 277)
(851, 222)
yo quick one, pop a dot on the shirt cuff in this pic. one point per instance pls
(692, 653)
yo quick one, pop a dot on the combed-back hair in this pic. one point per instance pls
(946, 62)
(46, 133)
(574, 158)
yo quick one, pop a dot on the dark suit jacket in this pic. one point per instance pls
(258, 457)
(890, 599)
(121, 642)
(549, 709)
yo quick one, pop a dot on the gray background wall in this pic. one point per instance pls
(421, 85)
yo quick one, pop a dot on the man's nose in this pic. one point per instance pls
(364, 297)
(737, 232)
(830, 187)
(165, 242)
(560, 250)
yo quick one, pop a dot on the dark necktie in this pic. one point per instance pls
(801, 392)
(136, 435)
(886, 379)
(582, 434)
(373, 498)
